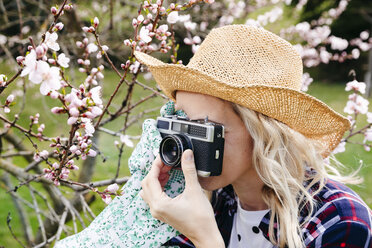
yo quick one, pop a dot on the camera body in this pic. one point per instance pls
(206, 140)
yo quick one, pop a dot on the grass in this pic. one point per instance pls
(332, 94)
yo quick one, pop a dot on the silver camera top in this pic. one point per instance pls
(201, 129)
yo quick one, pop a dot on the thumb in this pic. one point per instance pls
(189, 169)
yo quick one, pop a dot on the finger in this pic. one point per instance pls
(189, 169)
(150, 183)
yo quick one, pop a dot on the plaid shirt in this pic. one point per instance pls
(340, 219)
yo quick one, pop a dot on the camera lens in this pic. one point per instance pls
(172, 147)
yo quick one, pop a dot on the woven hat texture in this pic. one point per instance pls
(257, 69)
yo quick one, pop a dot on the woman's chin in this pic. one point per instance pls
(210, 183)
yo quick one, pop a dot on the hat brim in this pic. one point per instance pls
(300, 111)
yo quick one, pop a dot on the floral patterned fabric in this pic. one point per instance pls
(127, 221)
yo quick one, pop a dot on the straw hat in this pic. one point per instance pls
(256, 69)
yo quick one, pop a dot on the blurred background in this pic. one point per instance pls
(332, 36)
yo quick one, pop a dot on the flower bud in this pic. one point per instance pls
(59, 26)
(20, 59)
(9, 99)
(85, 29)
(39, 51)
(105, 48)
(68, 7)
(79, 44)
(54, 10)
(112, 188)
(55, 165)
(134, 22)
(92, 153)
(74, 112)
(57, 110)
(6, 110)
(96, 22)
(127, 42)
(140, 19)
(72, 120)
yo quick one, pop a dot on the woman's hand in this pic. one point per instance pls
(190, 212)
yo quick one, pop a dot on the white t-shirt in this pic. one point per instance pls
(245, 232)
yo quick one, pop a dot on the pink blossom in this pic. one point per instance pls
(59, 26)
(356, 86)
(85, 29)
(57, 110)
(96, 21)
(54, 10)
(127, 42)
(50, 41)
(41, 128)
(112, 188)
(140, 19)
(74, 148)
(9, 99)
(106, 198)
(44, 154)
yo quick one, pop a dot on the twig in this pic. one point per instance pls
(10, 80)
(8, 220)
(37, 210)
(61, 224)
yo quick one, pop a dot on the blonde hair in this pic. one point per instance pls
(289, 164)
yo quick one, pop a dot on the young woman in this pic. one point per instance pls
(275, 189)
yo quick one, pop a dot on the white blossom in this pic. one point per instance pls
(338, 43)
(125, 139)
(340, 148)
(50, 41)
(92, 48)
(63, 60)
(368, 134)
(113, 188)
(50, 77)
(95, 94)
(172, 17)
(144, 35)
(369, 117)
(355, 85)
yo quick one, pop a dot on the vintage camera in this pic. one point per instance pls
(204, 138)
